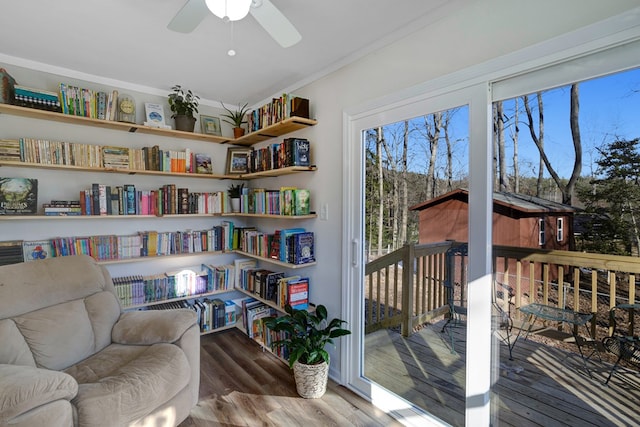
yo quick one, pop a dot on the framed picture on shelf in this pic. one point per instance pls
(210, 125)
(238, 160)
(155, 116)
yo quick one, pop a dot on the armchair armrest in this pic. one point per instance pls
(152, 326)
(26, 387)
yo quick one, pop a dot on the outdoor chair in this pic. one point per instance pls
(502, 323)
(455, 298)
(623, 343)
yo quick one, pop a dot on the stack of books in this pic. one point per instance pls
(10, 150)
(36, 98)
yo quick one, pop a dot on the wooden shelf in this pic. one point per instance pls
(281, 128)
(270, 173)
(111, 170)
(33, 113)
(151, 258)
(274, 261)
(188, 297)
(278, 129)
(263, 216)
(101, 217)
(277, 172)
(262, 300)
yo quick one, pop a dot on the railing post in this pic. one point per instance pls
(407, 290)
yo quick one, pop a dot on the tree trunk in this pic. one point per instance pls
(379, 139)
(499, 138)
(404, 205)
(514, 136)
(433, 135)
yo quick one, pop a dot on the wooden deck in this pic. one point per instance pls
(543, 386)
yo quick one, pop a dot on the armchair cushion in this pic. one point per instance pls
(151, 327)
(25, 388)
(124, 382)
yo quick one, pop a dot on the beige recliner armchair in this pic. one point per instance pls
(69, 355)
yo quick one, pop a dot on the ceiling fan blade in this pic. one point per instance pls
(189, 17)
(275, 23)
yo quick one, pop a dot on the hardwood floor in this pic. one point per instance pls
(242, 385)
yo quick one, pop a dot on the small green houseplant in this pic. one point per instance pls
(183, 105)
(306, 335)
(236, 119)
(234, 191)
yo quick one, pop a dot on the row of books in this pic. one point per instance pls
(212, 313)
(286, 201)
(293, 246)
(272, 285)
(115, 247)
(289, 152)
(77, 101)
(188, 282)
(46, 152)
(104, 199)
(277, 110)
(139, 289)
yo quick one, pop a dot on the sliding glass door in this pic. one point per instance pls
(410, 229)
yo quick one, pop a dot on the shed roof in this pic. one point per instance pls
(520, 202)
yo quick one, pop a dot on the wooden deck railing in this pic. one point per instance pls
(413, 277)
(410, 277)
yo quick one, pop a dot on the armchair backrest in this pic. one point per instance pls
(55, 312)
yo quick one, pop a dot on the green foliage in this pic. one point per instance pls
(235, 190)
(307, 334)
(612, 200)
(236, 118)
(183, 103)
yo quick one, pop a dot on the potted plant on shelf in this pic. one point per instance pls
(235, 190)
(236, 119)
(306, 335)
(183, 104)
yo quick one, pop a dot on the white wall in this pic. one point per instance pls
(481, 31)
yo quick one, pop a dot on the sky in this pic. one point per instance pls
(609, 109)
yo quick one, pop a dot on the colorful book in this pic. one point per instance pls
(18, 196)
(34, 250)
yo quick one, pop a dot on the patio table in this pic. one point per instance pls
(556, 314)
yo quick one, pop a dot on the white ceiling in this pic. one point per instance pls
(128, 40)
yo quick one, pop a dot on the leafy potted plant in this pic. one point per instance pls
(305, 336)
(183, 104)
(235, 190)
(236, 119)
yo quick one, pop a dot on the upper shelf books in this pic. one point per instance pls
(277, 110)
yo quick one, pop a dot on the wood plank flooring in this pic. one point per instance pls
(242, 385)
(542, 386)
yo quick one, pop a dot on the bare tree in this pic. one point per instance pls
(447, 140)
(404, 206)
(515, 132)
(500, 169)
(379, 142)
(433, 125)
(567, 189)
(538, 139)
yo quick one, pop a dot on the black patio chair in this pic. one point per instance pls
(502, 323)
(455, 300)
(623, 343)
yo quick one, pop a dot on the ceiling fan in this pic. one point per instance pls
(267, 15)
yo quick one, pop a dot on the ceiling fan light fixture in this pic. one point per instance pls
(234, 10)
